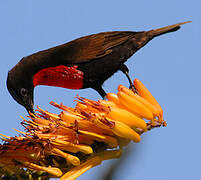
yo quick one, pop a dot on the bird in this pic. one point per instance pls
(82, 63)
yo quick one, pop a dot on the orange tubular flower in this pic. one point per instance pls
(66, 145)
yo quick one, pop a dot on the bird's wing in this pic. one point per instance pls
(95, 46)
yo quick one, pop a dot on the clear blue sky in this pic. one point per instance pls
(169, 66)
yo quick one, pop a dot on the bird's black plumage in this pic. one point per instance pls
(98, 56)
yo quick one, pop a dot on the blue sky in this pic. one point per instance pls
(169, 66)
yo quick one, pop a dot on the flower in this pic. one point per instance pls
(66, 145)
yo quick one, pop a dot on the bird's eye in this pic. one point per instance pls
(23, 92)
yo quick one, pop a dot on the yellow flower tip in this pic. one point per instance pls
(124, 131)
(68, 146)
(144, 92)
(85, 149)
(126, 117)
(54, 171)
(134, 106)
(69, 158)
(146, 103)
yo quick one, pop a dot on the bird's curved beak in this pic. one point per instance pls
(29, 108)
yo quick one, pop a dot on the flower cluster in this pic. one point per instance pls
(66, 145)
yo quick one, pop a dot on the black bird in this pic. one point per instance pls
(85, 62)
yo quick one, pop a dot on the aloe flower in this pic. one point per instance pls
(67, 144)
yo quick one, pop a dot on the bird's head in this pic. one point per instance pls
(21, 90)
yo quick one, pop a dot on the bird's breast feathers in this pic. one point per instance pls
(59, 76)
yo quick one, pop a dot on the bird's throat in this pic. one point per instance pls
(59, 76)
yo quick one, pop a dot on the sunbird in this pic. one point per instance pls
(85, 62)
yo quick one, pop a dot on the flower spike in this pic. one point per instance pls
(67, 144)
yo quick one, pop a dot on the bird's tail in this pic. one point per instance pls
(167, 29)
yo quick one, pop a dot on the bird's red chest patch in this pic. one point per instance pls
(60, 76)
